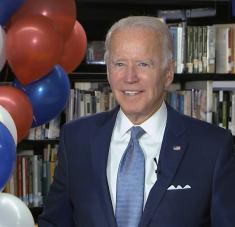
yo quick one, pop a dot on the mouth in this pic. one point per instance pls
(131, 93)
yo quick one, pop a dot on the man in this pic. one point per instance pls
(186, 167)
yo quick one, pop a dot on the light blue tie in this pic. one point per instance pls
(130, 182)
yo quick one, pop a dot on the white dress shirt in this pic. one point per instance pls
(150, 143)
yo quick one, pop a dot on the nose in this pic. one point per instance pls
(131, 74)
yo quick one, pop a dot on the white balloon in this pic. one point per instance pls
(2, 48)
(14, 213)
(8, 122)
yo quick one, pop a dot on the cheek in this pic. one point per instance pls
(156, 91)
(155, 86)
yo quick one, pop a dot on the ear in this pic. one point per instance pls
(169, 74)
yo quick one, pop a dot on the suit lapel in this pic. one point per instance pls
(173, 147)
(100, 149)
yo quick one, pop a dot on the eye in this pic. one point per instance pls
(143, 64)
(119, 64)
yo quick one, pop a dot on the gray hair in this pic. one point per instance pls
(145, 22)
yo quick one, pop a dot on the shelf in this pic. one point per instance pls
(89, 72)
(92, 68)
(203, 77)
(31, 144)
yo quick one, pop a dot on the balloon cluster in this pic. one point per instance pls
(41, 41)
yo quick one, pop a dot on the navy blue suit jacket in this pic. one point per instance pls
(193, 153)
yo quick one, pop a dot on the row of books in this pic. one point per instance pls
(33, 175)
(92, 97)
(204, 49)
(217, 107)
(190, 102)
(51, 130)
(194, 103)
(203, 104)
(197, 49)
(224, 109)
(89, 98)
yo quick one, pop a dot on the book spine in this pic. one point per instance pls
(211, 37)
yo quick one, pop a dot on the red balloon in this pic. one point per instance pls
(74, 49)
(19, 106)
(33, 47)
(61, 12)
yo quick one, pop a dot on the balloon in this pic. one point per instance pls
(74, 49)
(61, 12)
(7, 8)
(7, 155)
(33, 47)
(13, 212)
(47, 95)
(2, 48)
(18, 105)
(8, 122)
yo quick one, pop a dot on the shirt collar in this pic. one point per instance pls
(153, 126)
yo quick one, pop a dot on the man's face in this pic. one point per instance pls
(135, 72)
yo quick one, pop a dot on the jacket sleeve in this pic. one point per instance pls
(223, 197)
(57, 211)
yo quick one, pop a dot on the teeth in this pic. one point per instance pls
(131, 92)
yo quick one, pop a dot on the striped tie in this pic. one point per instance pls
(130, 182)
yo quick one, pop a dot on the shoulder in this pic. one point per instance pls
(207, 133)
(199, 125)
(90, 122)
(196, 128)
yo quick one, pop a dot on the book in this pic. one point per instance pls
(211, 38)
(204, 49)
(195, 49)
(189, 49)
(177, 35)
(223, 49)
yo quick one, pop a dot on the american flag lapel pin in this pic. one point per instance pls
(176, 148)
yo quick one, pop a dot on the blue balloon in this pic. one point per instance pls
(8, 8)
(48, 95)
(7, 155)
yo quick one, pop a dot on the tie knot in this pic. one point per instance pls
(136, 132)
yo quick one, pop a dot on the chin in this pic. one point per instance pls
(132, 112)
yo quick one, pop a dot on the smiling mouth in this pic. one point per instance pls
(131, 93)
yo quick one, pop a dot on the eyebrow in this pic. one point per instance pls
(138, 61)
(117, 59)
(146, 60)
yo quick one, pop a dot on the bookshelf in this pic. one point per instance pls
(190, 12)
(97, 16)
(34, 188)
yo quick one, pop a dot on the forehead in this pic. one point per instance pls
(137, 33)
(140, 39)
